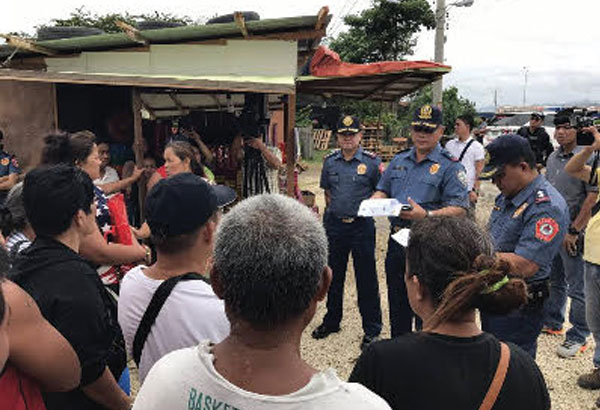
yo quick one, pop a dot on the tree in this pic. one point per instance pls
(383, 32)
(107, 22)
(453, 105)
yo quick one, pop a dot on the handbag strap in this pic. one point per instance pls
(498, 380)
(156, 303)
(464, 151)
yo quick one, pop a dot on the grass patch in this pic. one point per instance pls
(317, 157)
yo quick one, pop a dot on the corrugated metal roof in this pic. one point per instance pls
(174, 35)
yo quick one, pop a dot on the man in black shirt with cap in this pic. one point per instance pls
(538, 138)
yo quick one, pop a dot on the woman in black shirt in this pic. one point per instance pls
(451, 272)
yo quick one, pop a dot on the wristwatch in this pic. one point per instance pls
(428, 214)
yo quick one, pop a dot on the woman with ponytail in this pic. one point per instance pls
(451, 273)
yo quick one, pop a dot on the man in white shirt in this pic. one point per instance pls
(469, 152)
(182, 212)
(270, 268)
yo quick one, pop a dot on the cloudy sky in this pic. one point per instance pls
(488, 44)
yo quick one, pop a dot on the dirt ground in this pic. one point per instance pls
(340, 350)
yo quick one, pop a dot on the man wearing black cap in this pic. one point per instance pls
(527, 225)
(349, 176)
(182, 212)
(538, 138)
(432, 182)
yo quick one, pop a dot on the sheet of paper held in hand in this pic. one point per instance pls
(381, 207)
(402, 237)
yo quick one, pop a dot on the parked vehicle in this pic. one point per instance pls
(509, 123)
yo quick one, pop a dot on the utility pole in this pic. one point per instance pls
(496, 100)
(526, 70)
(440, 39)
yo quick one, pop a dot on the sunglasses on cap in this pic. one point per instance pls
(424, 129)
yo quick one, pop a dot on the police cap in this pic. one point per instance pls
(505, 150)
(428, 118)
(348, 125)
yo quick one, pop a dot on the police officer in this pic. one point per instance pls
(350, 175)
(9, 171)
(527, 225)
(433, 182)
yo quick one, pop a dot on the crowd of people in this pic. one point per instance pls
(210, 296)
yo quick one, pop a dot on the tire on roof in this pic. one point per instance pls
(56, 33)
(157, 24)
(228, 18)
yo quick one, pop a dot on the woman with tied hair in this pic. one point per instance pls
(450, 274)
(13, 222)
(80, 150)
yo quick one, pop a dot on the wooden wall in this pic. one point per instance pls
(27, 114)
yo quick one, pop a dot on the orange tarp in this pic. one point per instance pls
(327, 63)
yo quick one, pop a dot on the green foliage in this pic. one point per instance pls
(453, 105)
(107, 22)
(303, 116)
(383, 32)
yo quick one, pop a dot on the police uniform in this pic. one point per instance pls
(349, 182)
(436, 182)
(531, 224)
(8, 166)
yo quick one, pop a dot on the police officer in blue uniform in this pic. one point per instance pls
(527, 225)
(433, 182)
(9, 171)
(349, 176)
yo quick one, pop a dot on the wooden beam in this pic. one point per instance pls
(241, 23)
(149, 82)
(55, 108)
(321, 16)
(26, 44)
(146, 107)
(289, 121)
(294, 35)
(216, 100)
(136, 106)
(381, 87)
(132, 32)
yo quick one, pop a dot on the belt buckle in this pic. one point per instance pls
(347, 220)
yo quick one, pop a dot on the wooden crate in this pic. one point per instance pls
(387, 152)
(321, 139)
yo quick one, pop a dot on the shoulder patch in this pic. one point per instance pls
(332, 153)
(541, 196)
(546, 229)
(370, 154)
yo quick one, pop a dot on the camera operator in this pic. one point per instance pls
(538, 138)
(578, 167)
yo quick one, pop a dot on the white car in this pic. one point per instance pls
(510, 124)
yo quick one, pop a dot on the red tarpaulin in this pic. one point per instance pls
(327, 63)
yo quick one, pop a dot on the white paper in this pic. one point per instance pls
(402, 237)
(380, 207)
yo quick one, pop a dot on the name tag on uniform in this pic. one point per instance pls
(520, 210)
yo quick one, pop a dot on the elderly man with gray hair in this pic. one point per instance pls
(270, 268)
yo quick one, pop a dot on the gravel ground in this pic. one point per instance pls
(340, 350)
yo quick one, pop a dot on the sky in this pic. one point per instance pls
(488, 44)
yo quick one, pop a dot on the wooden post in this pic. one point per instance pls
(55, 107)
(136, 107)
(290, 141)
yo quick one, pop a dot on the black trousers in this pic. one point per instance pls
(358, 238)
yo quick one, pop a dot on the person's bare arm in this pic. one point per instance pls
(418, 212)
(153, 181)
(10, 181)
(270, 158)
(208, 156)
(577, 167)
(36, 347)
(120, 185)
(106, 392)
(478, 168)
(519, 266)
(94, 248)
(379, 195)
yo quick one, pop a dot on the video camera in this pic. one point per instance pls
(583, 119)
